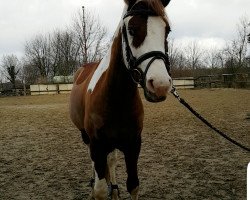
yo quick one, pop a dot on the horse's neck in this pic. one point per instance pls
(112, 74)
(110, 60)
(117, 79)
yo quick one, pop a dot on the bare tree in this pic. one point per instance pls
(61, 52)
(29, 72)
(242, 40)
(193, 55)
(90, 36)
(214, 58)
(65, 53)
(38, 53)
(177, 58)
(11, 68)
(236, 49)
(173, 54)
(221, 57)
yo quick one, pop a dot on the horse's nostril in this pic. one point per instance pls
(151, 84)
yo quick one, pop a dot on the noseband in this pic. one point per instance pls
(136, 73)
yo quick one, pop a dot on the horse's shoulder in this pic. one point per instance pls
(83, 72)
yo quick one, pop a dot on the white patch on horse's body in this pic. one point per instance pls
(102, 67)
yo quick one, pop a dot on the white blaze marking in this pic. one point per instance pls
(154, 41)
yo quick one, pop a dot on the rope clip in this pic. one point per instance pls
(175, 93)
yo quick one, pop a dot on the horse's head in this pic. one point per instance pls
(145, 48)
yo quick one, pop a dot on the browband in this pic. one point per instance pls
(139, 12)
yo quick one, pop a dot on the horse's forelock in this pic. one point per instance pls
(156, 6)
(130, 2)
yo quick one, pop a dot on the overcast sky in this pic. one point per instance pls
(210, 21)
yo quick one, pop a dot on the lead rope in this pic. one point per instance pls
(183, 102)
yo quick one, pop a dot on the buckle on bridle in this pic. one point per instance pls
(136, 75)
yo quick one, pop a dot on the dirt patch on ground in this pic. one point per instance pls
(42, 156)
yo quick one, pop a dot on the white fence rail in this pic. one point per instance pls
(180, 83)
(184, 83)
(50, 89)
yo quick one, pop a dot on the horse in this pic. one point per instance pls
(105, 103)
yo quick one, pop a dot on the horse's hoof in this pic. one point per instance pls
(114, 192)
(91, 183)
(115, 195)
(90, 197)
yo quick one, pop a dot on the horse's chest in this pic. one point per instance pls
(115, 122)
(116, 125)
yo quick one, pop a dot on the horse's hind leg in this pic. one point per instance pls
(85, 137)
(111, 176)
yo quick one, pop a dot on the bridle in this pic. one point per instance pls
(136, 73)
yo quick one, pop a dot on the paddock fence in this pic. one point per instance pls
(222, 81)
(40, 89)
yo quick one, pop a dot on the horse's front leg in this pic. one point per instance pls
(111, 175)
(131, 159)
(99, 158)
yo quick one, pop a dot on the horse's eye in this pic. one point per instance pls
(131, 32)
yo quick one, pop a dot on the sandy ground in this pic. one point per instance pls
(42, 156)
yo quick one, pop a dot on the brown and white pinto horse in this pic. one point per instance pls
(105, 104)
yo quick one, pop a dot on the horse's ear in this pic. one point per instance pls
(165, 2)
(130, 2)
